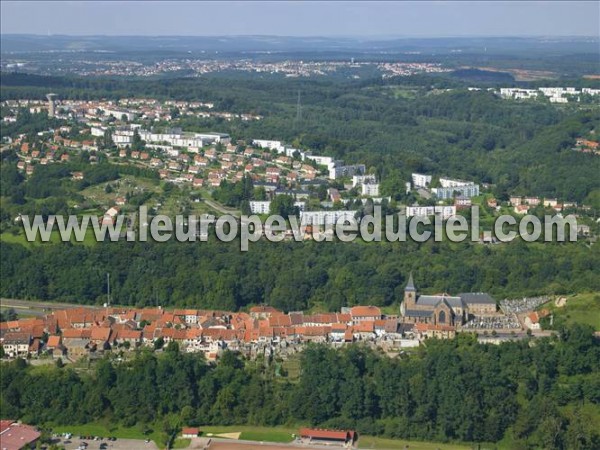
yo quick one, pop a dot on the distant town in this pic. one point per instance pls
(199, 67)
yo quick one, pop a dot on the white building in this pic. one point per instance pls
(370, 189)
(325, 217)
(453, 182)
(421, 181)
(321, 160)
(338, 170)
(271, 145)
(422, 211)
(466, 190)
(260, 207)
(264, 207)
(360, 179)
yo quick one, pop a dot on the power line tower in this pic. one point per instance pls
(298, 111)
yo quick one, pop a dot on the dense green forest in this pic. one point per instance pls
(290, 275)
(541, 394)
(394, 126)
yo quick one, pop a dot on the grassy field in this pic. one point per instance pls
(580, 308)
(181, 443)
(292, 367)
(20, 238)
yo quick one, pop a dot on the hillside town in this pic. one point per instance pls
(324, 189)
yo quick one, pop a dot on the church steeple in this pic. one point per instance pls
(410, 296)
(410, 286)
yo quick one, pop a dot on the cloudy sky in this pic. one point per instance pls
(383, 19)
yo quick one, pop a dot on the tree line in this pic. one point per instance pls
(290, 275)
(539, 394)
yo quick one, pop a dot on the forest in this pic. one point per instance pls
(290, 275)
(423, 123)
(541, 394)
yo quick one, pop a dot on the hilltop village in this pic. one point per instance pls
(264, 330)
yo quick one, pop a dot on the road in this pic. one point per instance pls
(220, 208)
(36, 307)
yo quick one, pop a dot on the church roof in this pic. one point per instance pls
(434, 300)
(418, 313)
(477, 297)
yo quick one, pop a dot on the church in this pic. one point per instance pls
(443, 309)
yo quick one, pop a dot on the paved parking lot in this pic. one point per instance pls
(119, 444)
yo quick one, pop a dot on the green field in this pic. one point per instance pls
(20, 238)
(580, 308)
(181, 443)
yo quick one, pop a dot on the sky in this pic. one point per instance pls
(312, 18)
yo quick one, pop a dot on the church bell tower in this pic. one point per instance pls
(410, 295)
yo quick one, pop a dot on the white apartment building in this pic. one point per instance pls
(465, 190)
(370, 189)
(321, 160)
(339, 170)
(325, 217)
(453, 182)
(271, 145)
(420, 180)
(422, 211)
(260, 207)
(360, 179)
(264, 206)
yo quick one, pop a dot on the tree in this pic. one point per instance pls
(172, 347)
(158, 343)
(283, 205)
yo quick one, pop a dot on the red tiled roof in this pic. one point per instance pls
(100, 333)
(53, 341)
(364, 327)
(315, 433)
(17, 436)
(365, 311)
(190, 430)
(76, 333)
(4, 424)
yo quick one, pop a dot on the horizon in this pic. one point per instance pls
(428, 19)
(315, 36)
